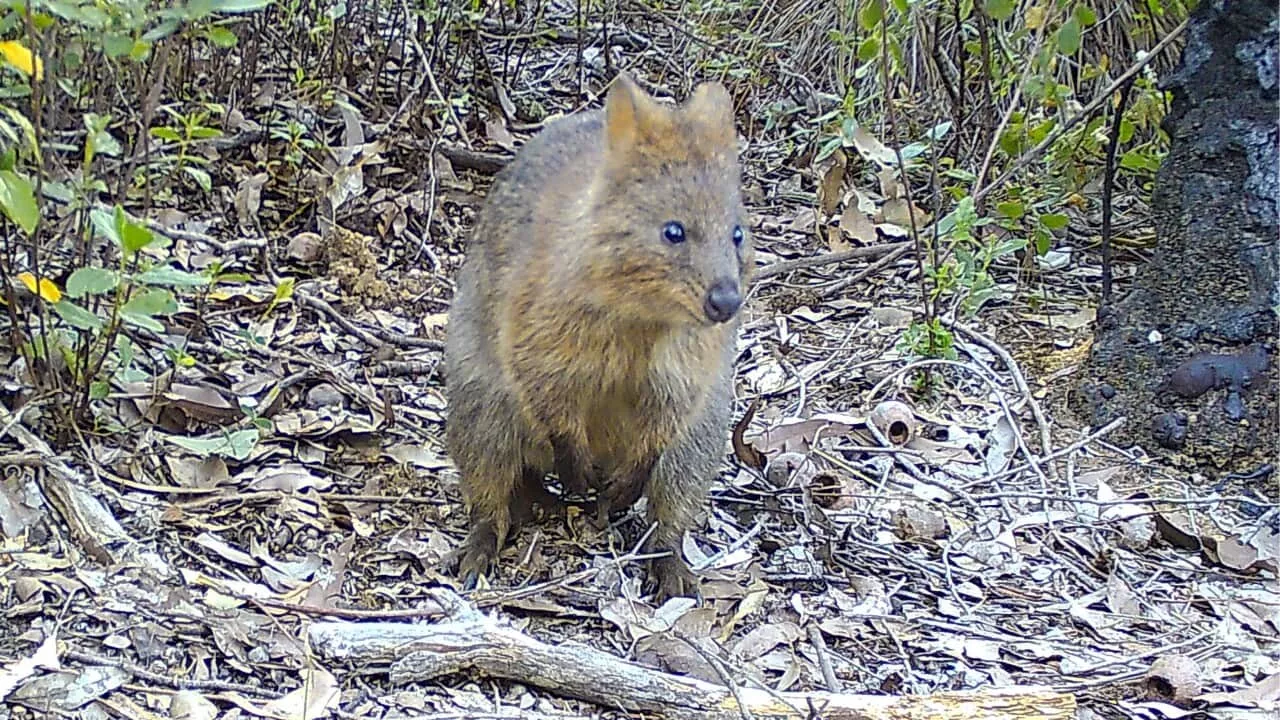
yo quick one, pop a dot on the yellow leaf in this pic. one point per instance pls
(48, 289)
(17, 55)
(1035, 17)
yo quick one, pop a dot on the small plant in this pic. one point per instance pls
(186, 130)
(100, 305)
(297, 143)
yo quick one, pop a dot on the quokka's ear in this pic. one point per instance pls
(632, 115)
(711, 109)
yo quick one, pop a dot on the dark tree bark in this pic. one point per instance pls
(1189, 354)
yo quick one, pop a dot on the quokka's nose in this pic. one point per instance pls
(723, 300)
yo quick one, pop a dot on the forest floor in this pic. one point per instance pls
(181, 562)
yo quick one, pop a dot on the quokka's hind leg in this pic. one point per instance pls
(487, 444)
(622, 490)
(572, 464)
(489, 499)
(532, 492)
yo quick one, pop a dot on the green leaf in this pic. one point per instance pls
(1054, 221)
(98, 140)
(284, 290)
(239, 6)
(1138, 160)
(901, 6)
(1010, 143)
(28, 130)
(236, 445)
(222, 37)
(197, 9)
(201, 177)
(76, 316)
(1008, 247)
(939, 131)
(116, 44)
(913, 150)
(827, 148)
(1044, 241)
(141, 49)
(1041, 130)
(60, 191)
(1000, 9)
(1126, 131)
(133, 236)
(172, 276)
(142, 321)
(867, 49)
(871, 14)
(164, 132)
(151, 301)
(104, 222)
(18, 199)
(1084, 15)
(1069, 37)
(98, 390)
(91, 281)
(1011, 209)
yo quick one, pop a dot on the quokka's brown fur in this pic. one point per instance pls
(589, 338)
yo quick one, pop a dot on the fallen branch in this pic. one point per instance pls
(831, 258)
(470, 641)
(93, 528)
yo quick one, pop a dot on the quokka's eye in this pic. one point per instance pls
(673, 232)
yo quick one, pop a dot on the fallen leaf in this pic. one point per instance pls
(895, 212)
(496, 130)
(65, 691)
(1264, 694)
(832, 182)
(870, 147)
(190, 705)
(317, 698)
(45, 657)
(856, 225)
(764, 638)
(248, 198)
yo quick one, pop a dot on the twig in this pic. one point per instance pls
(756, 529)
(1084, 114)
(1046, 442)
(1108, 186)
(1100, 432)
(399, 368)
(448, 106)
(824, 659)
(374, 338)
(412, 95)
(1004, 118)
(316, 303)
(721, 671)
(473, 642)
(867, 271)
(226, 246)
(157, 678)
(815, 261)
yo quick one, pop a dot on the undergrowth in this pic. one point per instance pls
(982, 125)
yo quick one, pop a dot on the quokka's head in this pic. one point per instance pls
(668, 205)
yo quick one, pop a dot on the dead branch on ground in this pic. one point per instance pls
(470, 641)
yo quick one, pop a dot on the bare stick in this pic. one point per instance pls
(471, 641)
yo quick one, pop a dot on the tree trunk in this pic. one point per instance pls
(1188, 356)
